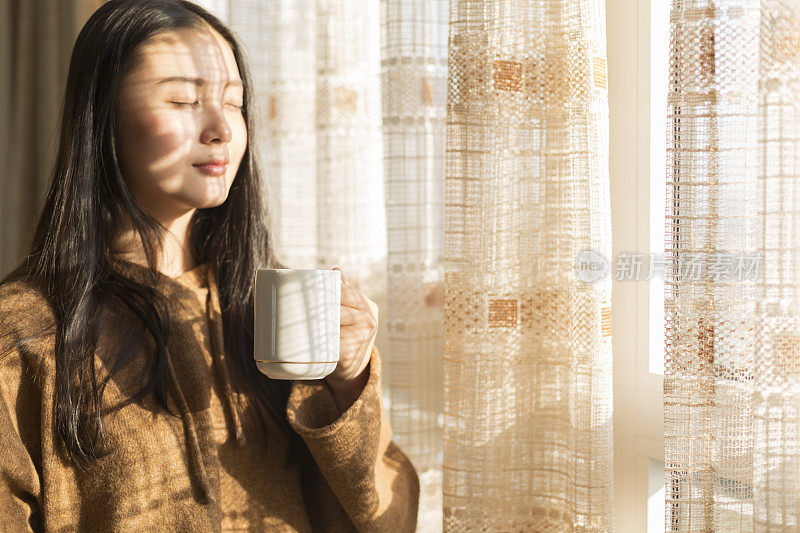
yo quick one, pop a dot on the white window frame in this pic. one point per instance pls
(638, 404)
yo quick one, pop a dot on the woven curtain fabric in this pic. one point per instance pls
(317, 68)
(732, 296)
(218, 7)
(527, 369)
(350, 192)
(36, 37)
(280, 38)
(414, 77)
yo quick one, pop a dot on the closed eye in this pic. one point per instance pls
(184, 104)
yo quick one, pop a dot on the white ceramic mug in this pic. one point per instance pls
(297, 320)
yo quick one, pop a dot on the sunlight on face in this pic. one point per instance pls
(169, 124)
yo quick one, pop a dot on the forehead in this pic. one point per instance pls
(193, 52)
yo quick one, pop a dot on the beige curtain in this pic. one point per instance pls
(316, 68)
(36, 38)
(355, 172)
(732, 300)
(527, 342)
(414, 77)
(355, 155)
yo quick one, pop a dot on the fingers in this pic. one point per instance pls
(349, 316)
(351, 297)
(353, 337)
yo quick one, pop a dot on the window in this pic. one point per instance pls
(638, 78)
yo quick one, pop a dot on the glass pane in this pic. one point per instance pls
(655, 497)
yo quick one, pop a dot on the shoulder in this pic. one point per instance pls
(23, 299)
(27, 321)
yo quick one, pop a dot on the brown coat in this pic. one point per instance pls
(163, 468)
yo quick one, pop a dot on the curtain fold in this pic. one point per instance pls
(316, 65)
(732, 286)
(414, 79)
(37, 37)
(351, 100)
(316, 71)
(527, 343)
(280, 39)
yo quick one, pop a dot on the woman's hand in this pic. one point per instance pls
(358, 328)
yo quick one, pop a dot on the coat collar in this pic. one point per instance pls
(194, 278)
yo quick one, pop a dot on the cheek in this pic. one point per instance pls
(168, 133)
(239, 138)
(155, 141)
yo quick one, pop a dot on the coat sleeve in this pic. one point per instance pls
(20, 486)
(373, 480)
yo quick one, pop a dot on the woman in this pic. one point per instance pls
(129, 398)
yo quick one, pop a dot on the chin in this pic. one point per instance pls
(208, 195)
(212, 202)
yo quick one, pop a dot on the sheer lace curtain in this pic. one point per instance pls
(351, 99)
(732, 302)
(362, 121)
(36, 37)
(414, 76)
(527, 372)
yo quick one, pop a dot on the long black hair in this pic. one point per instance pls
(71, 254)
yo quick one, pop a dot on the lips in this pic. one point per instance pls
(212, 167)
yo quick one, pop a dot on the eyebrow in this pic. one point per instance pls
(196, 81)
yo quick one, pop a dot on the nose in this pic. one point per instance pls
(215, 126)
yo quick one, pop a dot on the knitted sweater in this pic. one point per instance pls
(197, 472)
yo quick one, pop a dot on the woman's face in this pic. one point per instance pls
(180, 107)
